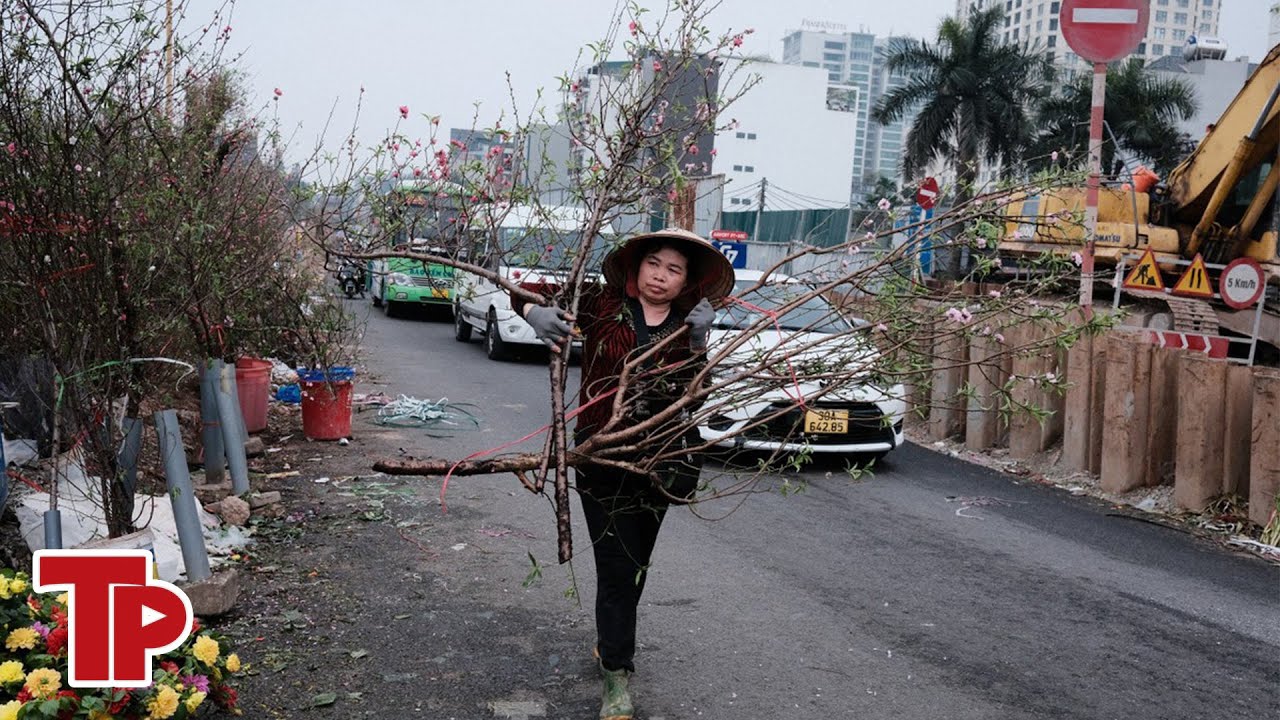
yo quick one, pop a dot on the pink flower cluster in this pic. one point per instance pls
(959, 315)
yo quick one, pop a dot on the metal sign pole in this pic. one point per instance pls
(1257, 327)
(1095, 180)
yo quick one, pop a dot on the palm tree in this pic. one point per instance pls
(975, 96)
(1142, 110)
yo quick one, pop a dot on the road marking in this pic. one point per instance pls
(1105, 16)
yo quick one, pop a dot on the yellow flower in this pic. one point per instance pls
(22, 638)
(206, 650)
(44, 683)
(17, 585)
(11, 671)
(9, 710)
(62, 599)
(163, 704)
(5, 593)
(194, 701)
(233, 663)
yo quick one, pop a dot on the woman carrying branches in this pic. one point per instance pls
(655, 285)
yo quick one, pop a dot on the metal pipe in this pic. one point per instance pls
(1097, 105)
(241, 428)
(178, 483)
(127, 459)
(215, 457)
(4, 465)
(233, 445)
(53, 529)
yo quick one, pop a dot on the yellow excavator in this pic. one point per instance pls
(1219, 203)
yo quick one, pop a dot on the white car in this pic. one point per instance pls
(857, 418)
(528, 246)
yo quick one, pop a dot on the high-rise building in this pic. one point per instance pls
(1173, 25)
(856, 80)
(1273, 38)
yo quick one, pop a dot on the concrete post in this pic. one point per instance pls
(1264, 463)
(229, 419)
(946, 405)
(1077, 410)
(982, 422)
(1198, 478)
(195, 558)
(1237, 433)
(215, 457)
(1097, 401)
(1124, 442)
(1162, 432)
(1029, 435)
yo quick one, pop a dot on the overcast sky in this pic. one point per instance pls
(443, 56)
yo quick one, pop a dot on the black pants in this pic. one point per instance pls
(623, 515)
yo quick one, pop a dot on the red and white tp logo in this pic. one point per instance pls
(118, 617)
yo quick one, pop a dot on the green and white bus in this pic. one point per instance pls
(418, 216)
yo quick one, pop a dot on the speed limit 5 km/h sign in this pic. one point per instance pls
(1242, 283)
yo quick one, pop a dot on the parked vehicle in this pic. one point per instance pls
(529, 245)
(861, 419)
(416, 213)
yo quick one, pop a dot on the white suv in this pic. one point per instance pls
(529, 245)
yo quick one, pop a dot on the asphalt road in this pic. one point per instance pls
(934, 589)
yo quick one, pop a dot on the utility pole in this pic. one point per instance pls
(764, 186)
(168, 59)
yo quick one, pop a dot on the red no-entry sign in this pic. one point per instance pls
(927, 195)
(1103, 31)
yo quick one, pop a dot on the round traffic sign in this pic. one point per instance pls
(927, 195)
(1103, 31)
(1242, 283)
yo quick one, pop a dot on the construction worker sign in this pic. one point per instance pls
(1195, 281)
(1145, 275)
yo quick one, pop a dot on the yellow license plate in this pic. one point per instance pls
(826, 422)
(440, 293)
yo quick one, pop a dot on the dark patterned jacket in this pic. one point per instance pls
(605, 317)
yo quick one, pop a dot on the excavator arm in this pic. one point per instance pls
(1234, 150)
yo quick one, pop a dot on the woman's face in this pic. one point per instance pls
(662, 276)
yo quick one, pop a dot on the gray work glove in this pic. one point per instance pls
(550, 324)
(699, 321)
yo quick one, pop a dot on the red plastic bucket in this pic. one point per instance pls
(326, 403)
(253, 387)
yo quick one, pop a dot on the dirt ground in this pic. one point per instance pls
(357, 601)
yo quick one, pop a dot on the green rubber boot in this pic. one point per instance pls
(616, 704)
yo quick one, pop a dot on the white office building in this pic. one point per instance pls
(1172, 25)
(857, 78)
(791, 133)
(1216, 83)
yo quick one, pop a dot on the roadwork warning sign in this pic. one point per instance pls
(1145, 275)
(1195, 281)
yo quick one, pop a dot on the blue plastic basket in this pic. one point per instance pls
(333, 374)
